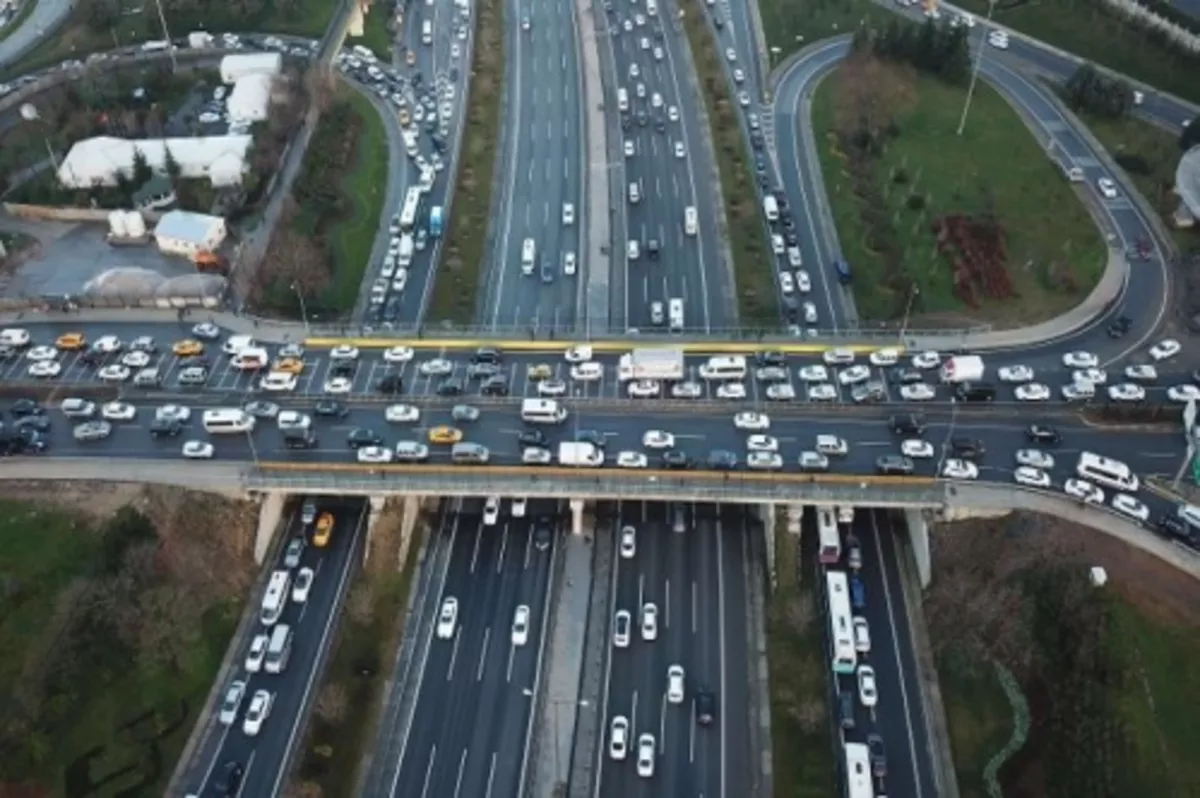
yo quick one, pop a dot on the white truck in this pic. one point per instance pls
(651, 364)
(200, 40)
(580, 454)
(962, 368)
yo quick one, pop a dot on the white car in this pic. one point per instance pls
(1107, 187)
(587, 372)
(1131, 506)
(1165, 349)
(1094, 376)
(1033, 477)
(302, 585)
(629, 150)
(279, 381)
(1080, 360)
(1035, 458)
(45, 368)
(926, 360)
(1078, 391)
(748, 419)
(438, 367)
(781, 392)
(257, 712)
(1126, 392)
(918, 392)
(118, 411)
(955, 468)
(822, 392)
(675, 684)
(551, 388)
(739, 76)
(568, 213)
(136, 359)
(868, 691)
(837, 357)
(1032, 392)
(854, 375)
(107, 344)
(398, 354)
(862, 634)
(518, 506)
(198, 450)
(730, 55)
(402, 414)
(206, 331)
(536, 455)
(645, 756)
(813, 461)
(338, 385)
(40, 353)
(1082, 489)
(731, 390)
(1015, 374)
(173, 413)
(658, 439)
(374, 455)
(343, 353)
(1141, 373)
(1183, 393)
(762, 443)
(998, 39)
(447, 618)
(916, 449)
(813, 374)
(643, 389)
(672, 113)
(14, 336)
(578, 354)
(491, 511)
(632, 460)
(649, 622)
(520, 625)
(621, 623)
(256, 653)
(680, 152)
(232, 702)
(771, 374)
(628, 544)
(765, 461)
(632, 249)
(884, 357)
(114, 373)
(618, 738)
(569, 266)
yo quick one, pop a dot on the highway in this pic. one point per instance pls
(469, 730)
(267, 756)
(697, 580)
(542, 155)
(665, 154)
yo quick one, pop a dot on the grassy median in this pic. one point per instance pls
(754, 271)
(790, 26)
(456, 284)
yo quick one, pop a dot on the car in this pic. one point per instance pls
(1035, 458)
(187, 348)
(344, 353)
(1131, 506)
(868, 691)
(632, 460)
(1015, 374)
(1031, 476)
(587, 372)
(649, 621)
(621, 623)
(658, 439)
(765, 461)
(41, 353)
(232, 702)
(179, 413)
(916, 449)
(294, 551)
(1141, 373)
(730, 55)
(955, 468)
(136, 359)
(862, 634)
(1165, 349)
(256, 653)
(926, 360)
(295, 351)
(998, 39)
(1032, 392)
(520, 625)
(771, 374)
(822, 392)
(680, 152)
(672, 113)
(632, 249)
(464, 413)
(536, 455)
(438, 367)
(107, 345)
(206, 331)
(374, 454)
(45, 369)
(519, 506)
(257, 712)
(569, 265)
(445, 435)
(338, 386)
(402, 414)
(552, 388)
(198, 450)
(1082, 489)
(92, 431)
(750, 420)
(838, 357)
(645, 756)
(447, 618)
(118, 411)
(854, 375)
(1183, 393)
(731, 390)
(1093, 376)
(1080, 360)
(261, 409)
(398, 354)
(491, 511)
(1126, 392)
(918, 392)
(816, 373)
(687, 390)
(1107, 187)
(568, 213)
(762, 443)
(884, 357)
(629, 149)
(618, 738)
(323, 530)
(1078, 392)
(643, 389)
(302, 585)
(675, 684)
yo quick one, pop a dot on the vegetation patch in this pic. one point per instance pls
(1102, 672)
(456, 283)
(113, 630)
(976, 228)
(378, 26)
(790, 26)
(753, 263)
(803, 757)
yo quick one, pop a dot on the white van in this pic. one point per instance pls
(635, 193)
(427, 32)
(543, 411)
(275, 598)
(279, 649)
(404, 254)
(832, 445)
(528, 256)
(725, 367)
(770, 208)
(228, 419)
(689, 220)
(622, 100)
(675, 314)
(236, 343)
(364, 53)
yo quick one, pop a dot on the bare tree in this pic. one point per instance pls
(332, 703)
(870, 95)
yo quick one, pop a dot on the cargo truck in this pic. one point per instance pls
(580, 454)
(200, 40)
(651, 364)
(962, 368)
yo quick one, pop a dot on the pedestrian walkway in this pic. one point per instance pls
(596, 242)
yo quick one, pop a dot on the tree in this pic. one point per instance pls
(172, 166)
(141, 168)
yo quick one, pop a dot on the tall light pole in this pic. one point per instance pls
(913, 291)
(987, 28)
(303, 308)
(162, 18)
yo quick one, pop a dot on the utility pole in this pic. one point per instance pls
(162, 18)
(987, 28)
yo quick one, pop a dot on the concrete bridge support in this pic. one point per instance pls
(767, 513)
(918, 535)
(269, 514)
(577, 506)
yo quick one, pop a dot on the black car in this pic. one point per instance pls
(846, 709)
(1120, 326)
(165, 428)
(195, 360)
(449, 388)
(722, 460)
(590, 436)
(718, 21)
(390, 383)
(486, 355)
(908, 424)
(543, 532)
(35, 423)
(968, 448)
(706, 707)
(344, 368)
(1042, 433)
(330, 408)
(675, 459)
(975, 392)
(532, 437)
(777, 359)
(359, 437)
(482, 371)
(494, 386)
(26, 407)
(230, 780)
(91, 358)
(652, 248)
(878, 755)
(904, 375)
(547, 273)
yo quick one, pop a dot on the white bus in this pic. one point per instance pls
(829, 540)
(858, 771)
(528, 256)
(726, 367)
(279, 649)
(543, 411)
(841, 630)
(410, 209)
(228, 419)
(276, 597)
(427, 32)
(1107, 472)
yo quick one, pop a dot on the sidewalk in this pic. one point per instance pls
(595, 170)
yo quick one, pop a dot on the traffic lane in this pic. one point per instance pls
(738, 644)
(265, 755)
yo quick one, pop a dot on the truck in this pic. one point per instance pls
(962, 368)
(580, 454)
(651, 364)
(200, 40)
(435, 221)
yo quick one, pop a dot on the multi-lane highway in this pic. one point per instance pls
(535, 265)
(266, 756)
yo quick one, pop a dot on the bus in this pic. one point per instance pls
(436, 222)
(279, 649)
(276, 597)
(829, 540)
(858, 771)
(1107, 472)
(841, 630)
(412, 205)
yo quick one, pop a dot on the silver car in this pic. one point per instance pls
(92, 431)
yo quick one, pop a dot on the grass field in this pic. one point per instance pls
(980, 721)
(995, 166)
(376, 36)
(790, 26)
(802, 752)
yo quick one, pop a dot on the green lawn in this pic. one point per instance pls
(1079, 27)
(376, 36)
(802, 751)
(980, 722)
(17, 21)
(791, 25)
(996, 165)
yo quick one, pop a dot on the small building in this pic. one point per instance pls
(188, 234)
(250, 98)
(235, 67)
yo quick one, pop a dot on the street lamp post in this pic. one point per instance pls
(162, 18)
(913, 291)
(987, 27)
(303, 308)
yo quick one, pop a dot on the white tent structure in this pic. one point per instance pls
(250, 98)
(236, 67)
(99, 160)
(1187, 185)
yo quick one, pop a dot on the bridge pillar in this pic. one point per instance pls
(576, 516)
(270, 512)
(918, 536)
(767, 513)
(375, 505)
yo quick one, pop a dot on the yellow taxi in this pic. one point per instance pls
(188, 347)
(289, 365)
(323, 530)
(539, 371)
(71, 342)
(404, 117)
(445, 435)
(411, 58)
